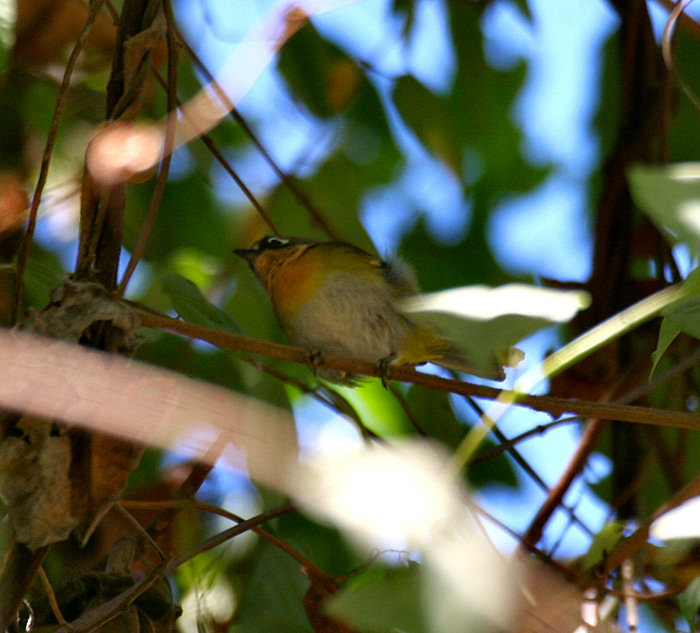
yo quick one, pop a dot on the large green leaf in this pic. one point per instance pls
(670, 196)
(439, 266)
(682, 315)
(193, 306)
(318, 73)
(187, 217)
(272, 595)
(684, 132)
(430, 117)
(389, 603)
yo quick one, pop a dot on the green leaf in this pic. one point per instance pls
(684, 132)
(667, 334)
(272, 595)
(484, 344)
(428, 116)
(603, 543)
(482, 323)
(435, 416)
(687, 316)
(318, 73)
(670, 196)
(438, 266)
(682, 315)
(192, 305)
(689, 602)
(389, 603)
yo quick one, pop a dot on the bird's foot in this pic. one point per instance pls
(383, 366)
(315, 357)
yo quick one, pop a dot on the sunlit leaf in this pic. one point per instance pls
(482, 303)
(404, 496)
(603, 543)
(483, 323)
(670, 196)
(679, 523)
(682, 315)
(380, 497)
(687, 316)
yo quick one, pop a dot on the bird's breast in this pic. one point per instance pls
(295, 285)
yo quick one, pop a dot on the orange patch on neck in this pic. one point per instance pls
(295, 282)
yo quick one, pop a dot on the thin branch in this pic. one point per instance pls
(278, 543)
(667, 49)
(504, 446)
(550, 404)
(573, 469)
(162, 180)
(179, 504)
(687, 22)
(567, 573)
(121, 508)
(287, 180)
(97, 616)
(529, 470)
(227, 535)
(23, 254)
(407, 410)
(51, 595)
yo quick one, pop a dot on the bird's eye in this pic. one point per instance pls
(275, 242)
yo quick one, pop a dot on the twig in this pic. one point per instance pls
(162, 179)
(19, 566)
(555, 498)
(667, 49)
(501, 448)
(407, 410)
(550, 404)
(287, 180)
(96, 617)
(280, 544)
(51, 596)
(227, 535)
(23, 254)
(687, 22)
(120, 507)
(179, 504)
(529, 470)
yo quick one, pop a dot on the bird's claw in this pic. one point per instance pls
(315, 358)
(383, 366)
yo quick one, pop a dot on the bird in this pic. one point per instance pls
(335, 299)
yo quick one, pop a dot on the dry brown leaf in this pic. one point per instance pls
(45, 29)
(53, 479)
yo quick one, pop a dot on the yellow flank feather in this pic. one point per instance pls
(421, 346)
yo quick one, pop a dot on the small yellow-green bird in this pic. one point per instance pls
(335, 299)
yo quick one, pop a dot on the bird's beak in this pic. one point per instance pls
(246, 253)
